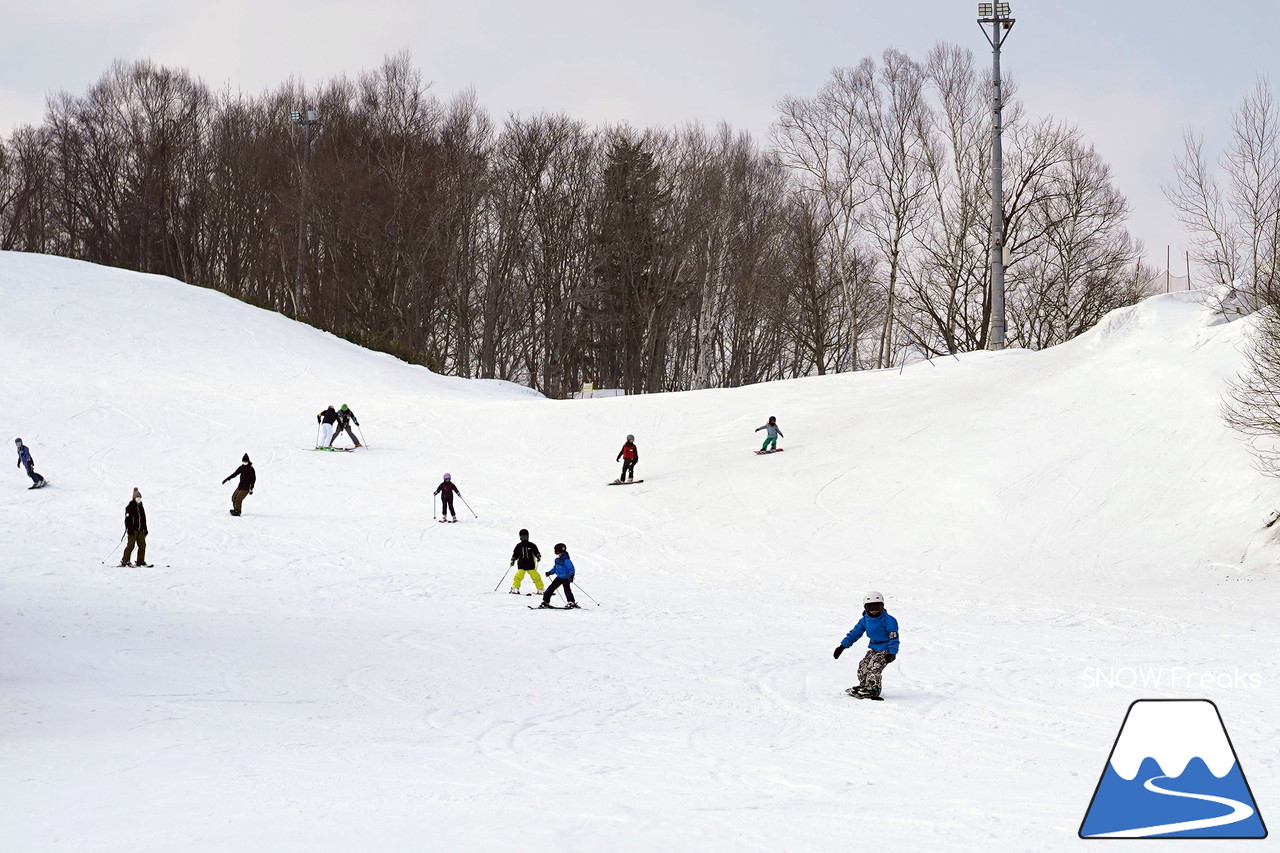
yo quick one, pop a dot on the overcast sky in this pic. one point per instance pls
(1131, 75)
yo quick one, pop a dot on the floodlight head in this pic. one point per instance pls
(296, 115)
(312, 115)
(1002, 10)
(984, 9)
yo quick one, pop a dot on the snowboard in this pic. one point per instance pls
(767, 452)
(853, 691)
(1275, 516)
(39, 485)
(624, 482)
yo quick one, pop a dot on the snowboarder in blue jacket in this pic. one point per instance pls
(771, 434)
(882, 634)
(24, 461)
(563, 572)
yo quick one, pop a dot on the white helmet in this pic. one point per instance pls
(872, 597)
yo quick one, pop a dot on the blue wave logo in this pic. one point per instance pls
(1173, 773)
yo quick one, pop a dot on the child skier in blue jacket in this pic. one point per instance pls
(563, 573)
(882, 634)
(24, 461)
(770, 436)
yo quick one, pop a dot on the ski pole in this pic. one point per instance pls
(433, 507)
(117, 545)
(362, 441)
(467, 505)
(587, 594)
(504, 577)
(317, 433)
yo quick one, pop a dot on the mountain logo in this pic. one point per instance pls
(1173, 773)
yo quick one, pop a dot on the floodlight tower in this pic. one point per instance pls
(305, 119)
(997, 15)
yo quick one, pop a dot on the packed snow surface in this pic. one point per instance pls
(1058, 533)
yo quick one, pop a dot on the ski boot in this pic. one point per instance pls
(572, 605)
(544, 604)
(514, 591)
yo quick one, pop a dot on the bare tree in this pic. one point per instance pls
(1236, 230)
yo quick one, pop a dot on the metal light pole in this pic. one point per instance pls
(304, 119)
(997, 15)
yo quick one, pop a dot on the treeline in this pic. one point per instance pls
(1230, 205)
(548, 252)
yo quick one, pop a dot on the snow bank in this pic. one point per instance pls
(334, 671)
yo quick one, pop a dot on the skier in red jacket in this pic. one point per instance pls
(630, 455)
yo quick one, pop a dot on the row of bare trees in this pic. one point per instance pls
(1231, 207)
(548, 252)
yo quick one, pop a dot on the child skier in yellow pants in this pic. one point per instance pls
(528, 556)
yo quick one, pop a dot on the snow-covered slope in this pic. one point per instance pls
(333, 670)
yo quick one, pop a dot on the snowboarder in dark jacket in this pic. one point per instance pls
(446, 490)
(25, 461)
(248, 477)
(326, 419)
(527, 556)
(882, 635)
(771, 436)
(135, 525)
(563, 572)
(630, 455)
(345, 418)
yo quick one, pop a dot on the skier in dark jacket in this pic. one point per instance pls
(527, 555)
(326, 419)
(135, 525)
(248, 477)
(345, 419)
(771, 434)
(25, 461)
(630, 455)
(563, 573)
(446, 490)
(882, 635)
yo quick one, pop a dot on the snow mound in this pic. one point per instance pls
(334, 670)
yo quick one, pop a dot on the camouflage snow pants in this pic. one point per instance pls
(871, 668)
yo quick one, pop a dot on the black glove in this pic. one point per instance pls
(251, 491)
(890, 658)
(224, 482)
(839, 651)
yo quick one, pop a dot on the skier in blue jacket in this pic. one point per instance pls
(770, 436)
(882, 635)
(24, 461)
(563, 573)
